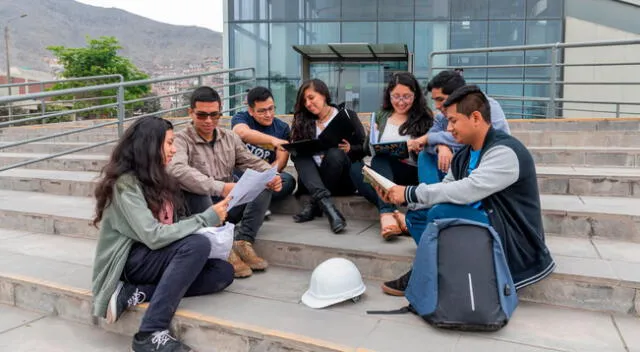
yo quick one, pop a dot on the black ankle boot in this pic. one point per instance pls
(309, 211)
(336, 220)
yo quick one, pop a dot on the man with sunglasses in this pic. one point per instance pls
(265, 134)
(204, 164)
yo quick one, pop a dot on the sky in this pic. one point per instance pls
(201, 13)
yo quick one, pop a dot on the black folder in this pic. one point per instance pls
(338, 129)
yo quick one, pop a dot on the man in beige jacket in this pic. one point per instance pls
(204, 163)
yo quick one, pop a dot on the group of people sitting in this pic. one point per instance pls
(159, 188)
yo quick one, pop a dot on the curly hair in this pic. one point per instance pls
(140, 154)
(420, 116)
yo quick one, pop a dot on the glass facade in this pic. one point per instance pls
(262, 33)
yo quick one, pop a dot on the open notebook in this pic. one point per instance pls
(397, 149)
(375, 179)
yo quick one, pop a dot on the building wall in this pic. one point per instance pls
(605, 20)
(261, 33)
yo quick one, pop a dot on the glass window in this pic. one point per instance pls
(429, 37)
(289, 10)
(323, 9)
(470, 9)
(322, 32)
(284, 94)
(249, 10)
(359, 10)
(250, 47)
(396, 10)
(465, 35)
(506, 33)
(507, 9)
(432, 10)
(541, 32)
(396, 32)
(284, 60)
(359, 32)
(544, 8)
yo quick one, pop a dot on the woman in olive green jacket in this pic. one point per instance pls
(142, 253)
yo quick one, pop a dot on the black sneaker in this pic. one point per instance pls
(125, 296)
(397, 286)
(159, 341)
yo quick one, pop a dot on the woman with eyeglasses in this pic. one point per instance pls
(325, 174)
(404, 118)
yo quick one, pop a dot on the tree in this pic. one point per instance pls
(100, 57)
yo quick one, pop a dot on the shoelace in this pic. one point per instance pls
(137, 298)
(160, 338)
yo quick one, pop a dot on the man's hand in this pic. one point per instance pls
(345, 146)
(444, 158)
(416, 145)
(227, 188)
(275, 184)
(277, 143)
(395, 195)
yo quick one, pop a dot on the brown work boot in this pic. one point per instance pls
(240, 268)
(249, 256)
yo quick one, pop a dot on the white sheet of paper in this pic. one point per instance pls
(250, 185)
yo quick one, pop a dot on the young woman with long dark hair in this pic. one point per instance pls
(143, 253)
(404, 117)
(325, 174)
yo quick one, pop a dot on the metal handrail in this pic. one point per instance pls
(72, 79)
(119, 104)
(553, 81)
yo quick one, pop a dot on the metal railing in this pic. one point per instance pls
(561, 96)
(240, 77)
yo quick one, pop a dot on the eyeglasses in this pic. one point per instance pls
(264, 111)
(201, 115)
(406, 97)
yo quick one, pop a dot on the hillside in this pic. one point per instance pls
(149, 44)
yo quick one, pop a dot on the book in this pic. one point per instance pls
(338, 129)
(305, 147)
(397, 149)
(375, 179)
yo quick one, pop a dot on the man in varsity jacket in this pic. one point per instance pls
(492, 180)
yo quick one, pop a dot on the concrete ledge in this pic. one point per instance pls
(199, 330)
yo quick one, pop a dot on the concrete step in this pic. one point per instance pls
(264, 313)
(53, 147)
(589, 181)
(587, 156)
(586, 124)
(30, 330)
(561, 180)
(72, 162)
(573, 216)
(605, 139)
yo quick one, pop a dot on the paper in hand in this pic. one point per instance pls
(250, 185)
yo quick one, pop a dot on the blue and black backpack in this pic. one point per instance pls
(460, 278)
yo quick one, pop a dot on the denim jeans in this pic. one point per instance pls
(417, 220)
(181, 269)
(428, 171)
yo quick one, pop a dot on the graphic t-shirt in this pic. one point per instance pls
(278, 129)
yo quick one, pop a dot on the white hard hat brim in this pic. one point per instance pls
(314, 302)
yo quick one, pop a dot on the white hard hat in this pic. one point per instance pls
(334, 280)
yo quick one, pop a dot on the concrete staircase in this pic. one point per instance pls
(589, 175)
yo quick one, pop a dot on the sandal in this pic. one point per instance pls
(400, 218)
(388, 228)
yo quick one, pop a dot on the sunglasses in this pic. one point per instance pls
(201, 115)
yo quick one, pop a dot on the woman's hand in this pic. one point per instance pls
(221, 208)
(444, 158)
(345, 146)
(416, 145)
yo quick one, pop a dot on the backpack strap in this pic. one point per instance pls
(402, 310)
